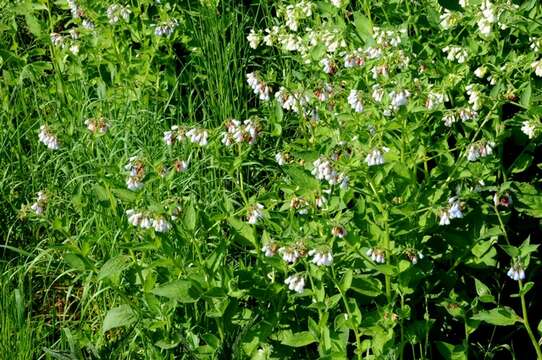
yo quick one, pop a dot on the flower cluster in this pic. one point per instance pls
(144, 221)
(48, 138)
(115, 12)
(255, 213)
(480, 149)
(39, 206)
(97, 125)
(198, 136)
(377, 255)
(259, 87)
(354, 100)
(456, 53)
(136, 171)
(321, 258)
(452, 211)
(516, 272)
(295, 283)
(375, 157)
(166, 28)
(237, 132)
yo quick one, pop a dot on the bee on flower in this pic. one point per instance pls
(180, 165)
(300, 205)
(47, 138)
(295, 283)
(329, 66)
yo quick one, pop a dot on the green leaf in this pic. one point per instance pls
(114, 267)
(366, 286)
(33, 25)
(189, 218)
(181, 290)
(347, 280)
(299, 339)
(364, 27)
(451, 352)
(305, 182)
(483, 292)
(500, 316)
(525, 99)
(118, 317)
(244, 230)
(521, 163)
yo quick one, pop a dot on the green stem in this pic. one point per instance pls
(347, 307)
(526, 323)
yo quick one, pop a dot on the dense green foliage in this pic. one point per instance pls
(378, 197)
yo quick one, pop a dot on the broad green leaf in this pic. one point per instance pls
(244, 230)
(299, 339)
(189, 218)
(118, 317)
(114, 267)
(181, 290)
(483, 292)
(500, 316)
(451, 352)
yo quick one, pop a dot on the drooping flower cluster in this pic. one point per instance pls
(456, 53)
(145, 221)
(354, 100)
(115, 12)
(452, 211)
(295, 283)
(39, 206)
(377, 255)
(136, 171)
(237, 132)
(537, 67)
(375, 157)
(198, 136)
(530, 128)
(321, 258)
(516, 272)
(294, 101)
(97, 125)
(480, 149)
(255, 213)
(166, 28)
(48, 138)
(294, 13)
(259, 86)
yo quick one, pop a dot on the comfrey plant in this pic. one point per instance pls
(367, 188)
(428, 112)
